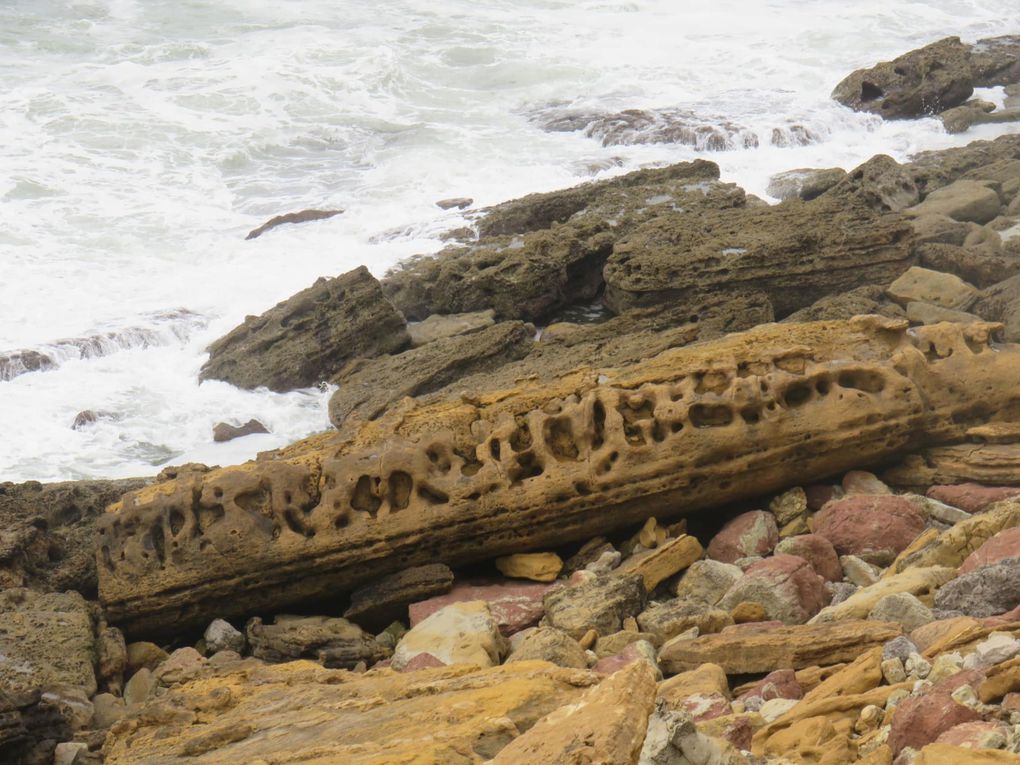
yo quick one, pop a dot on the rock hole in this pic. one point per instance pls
(558, 433)
(598, 416)
(176, 522)
(659, 432)
(676, 427)
(870, 92)
(520, 439)
(400, 485)
(218, 492)
(366, 495)
(582, 488)
(432, 496)
(494, 449)
(750, 415)
(710, 415)
(823, 386)
(107, 558)
(527, 466)
(797, 394)
(158, 542)
(860, 379)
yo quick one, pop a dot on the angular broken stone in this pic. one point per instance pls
(385, 600)
(331, 642)
(600, 604)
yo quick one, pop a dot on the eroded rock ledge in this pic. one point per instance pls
(539, 464)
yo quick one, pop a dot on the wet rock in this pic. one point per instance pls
(455, 202)
(552, 645)
(606, 725)
(423, 370)
(804, 183)
(221, 635)
(969, 201)
(296, 217)
(538, 567)
(88, 417)
(16, 363)
(944, 290)
(972, 497)
(224, 431)
(786, 586)
(996, 61)
(460, 633)
(670, 618)
(437, 327)
(874, 528)
(881, 183)
(985, 591)
(903, 608)
(45, 639)
(753, 533)
(332, 642)
(514, 605)
(47, 532)
(919, 83)
(602, 603)
(386, 599)
(706, 581)
(961, 118)
(1002, 546)
(816, 550)
(308, 337)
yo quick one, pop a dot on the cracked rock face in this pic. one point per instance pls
(538, 465)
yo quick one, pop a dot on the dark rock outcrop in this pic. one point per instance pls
(297, 217)
(224, 431)
(367, 387)
(308, 337)
(795, 253)
(47, 531)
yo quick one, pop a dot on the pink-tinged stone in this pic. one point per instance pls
(973, 735)
(423, 661)
(752, 628)
(874, 528)
(863, 482)
(972, 497)
(638, 651)
(816, 550)
(1005, 544)
(820, 493)
(781, 684)
(706, 706)
(514, 605)
(749, 534)
(919, 720)
(1007, 618)
(786, 586)
(382, 664)
(739, 732)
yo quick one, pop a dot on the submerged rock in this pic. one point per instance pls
(224, 431)
(296, 217)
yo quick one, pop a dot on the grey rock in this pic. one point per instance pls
(600, 604)
(455, 202)
(706, 581)
(904, 608)
(437, 326)
(552, 645)
(670, 618)
(221, 635)
(899, 648)
(804, 183)
(986, 591)
(331, 641)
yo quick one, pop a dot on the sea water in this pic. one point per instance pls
(141, 140)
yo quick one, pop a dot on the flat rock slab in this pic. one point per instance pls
(743, 652)
(45, 639)
(299, 712)
(385, 600)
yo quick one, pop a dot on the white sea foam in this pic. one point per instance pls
(143, 139)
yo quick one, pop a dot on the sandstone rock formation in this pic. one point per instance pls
(309, 336)
(535, 465)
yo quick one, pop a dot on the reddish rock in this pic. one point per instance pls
(641, 650)
(707, 706)
(422, 661)
(786, 586)
(514, 605)
(972, 497)
(816, 550)
(820, 493)
(919, 720)
(781, 684)
(749, 534)
(1005, 544)
(1007, 618)
(1011, 702)
(973, 735)
(738, 731)
(874, 528)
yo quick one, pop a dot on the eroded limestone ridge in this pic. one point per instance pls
(546, 463)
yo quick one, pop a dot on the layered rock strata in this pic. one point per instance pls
(464, 479)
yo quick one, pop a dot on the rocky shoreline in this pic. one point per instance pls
(644, 471)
